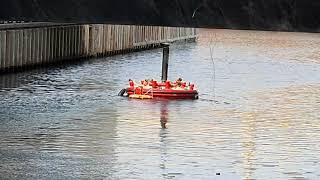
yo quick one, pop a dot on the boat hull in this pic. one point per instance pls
(168, 93)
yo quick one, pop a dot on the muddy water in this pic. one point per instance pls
(257, 116)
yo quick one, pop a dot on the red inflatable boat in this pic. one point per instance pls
(151, 89)
(165, 89)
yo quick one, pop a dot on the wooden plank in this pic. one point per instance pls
(20, 47)
(41, 45)
(2, 49)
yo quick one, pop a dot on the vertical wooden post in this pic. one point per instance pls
(165, 62)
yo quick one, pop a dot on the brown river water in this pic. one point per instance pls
(258, 115)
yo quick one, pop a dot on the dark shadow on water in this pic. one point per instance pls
(163, 138)
(164, 114)
(18, 79)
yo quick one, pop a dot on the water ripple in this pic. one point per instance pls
(257, 116)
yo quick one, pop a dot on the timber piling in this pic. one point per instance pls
(31, 46)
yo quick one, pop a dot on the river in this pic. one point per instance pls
(258, 115)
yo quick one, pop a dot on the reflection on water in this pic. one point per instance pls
(164, 114)
(257, 116)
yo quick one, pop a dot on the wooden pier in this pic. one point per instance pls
(26, 46)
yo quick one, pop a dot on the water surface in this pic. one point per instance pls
(257, 116)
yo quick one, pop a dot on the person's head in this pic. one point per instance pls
(145, 82)
(179, 79)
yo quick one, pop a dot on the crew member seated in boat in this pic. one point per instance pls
(145, 84)
(153, 83)
(131, 83)
(179, 82)
(138, 90)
